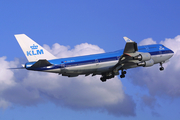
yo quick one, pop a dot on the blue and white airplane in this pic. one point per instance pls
(106, 64)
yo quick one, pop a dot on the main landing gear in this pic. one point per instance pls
(107, 76)
(122, 74)
(103, 79)
(111, 75)
(161, 68)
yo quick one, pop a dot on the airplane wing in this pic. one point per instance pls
(129, 57)
(131, 46)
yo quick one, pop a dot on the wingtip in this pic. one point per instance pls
(22, 34)
(127, 39)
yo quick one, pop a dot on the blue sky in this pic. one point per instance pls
(102, 23)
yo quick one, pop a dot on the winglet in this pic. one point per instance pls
(127, 39)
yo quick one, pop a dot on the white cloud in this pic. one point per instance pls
(172, 43)
(6, 75)
(79, 50)
(147, 42)
(30, 88)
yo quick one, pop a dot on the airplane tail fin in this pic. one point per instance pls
(32, 50)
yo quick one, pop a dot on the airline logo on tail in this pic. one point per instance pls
(34, 51)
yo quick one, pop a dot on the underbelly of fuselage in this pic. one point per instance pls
(96, 68)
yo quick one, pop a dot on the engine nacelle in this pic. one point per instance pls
(143, 57)
(146, 63)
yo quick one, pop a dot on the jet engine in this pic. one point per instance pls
(142, 57)
(146, 63)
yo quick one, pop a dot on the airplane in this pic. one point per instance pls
(107, 65)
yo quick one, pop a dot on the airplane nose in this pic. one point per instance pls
(172, 53)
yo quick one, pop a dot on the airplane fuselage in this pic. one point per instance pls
(101, 63)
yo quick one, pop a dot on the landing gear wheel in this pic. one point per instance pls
(122, 76)
(103, 79)
(161, 68)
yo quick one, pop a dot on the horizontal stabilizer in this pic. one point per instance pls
(41, 63)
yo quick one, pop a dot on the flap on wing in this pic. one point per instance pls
(41, 63)
(127, 39)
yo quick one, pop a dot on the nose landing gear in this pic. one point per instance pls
(161, 68)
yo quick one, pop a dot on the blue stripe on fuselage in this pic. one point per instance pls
(104, 57)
